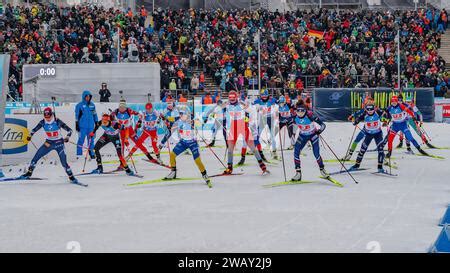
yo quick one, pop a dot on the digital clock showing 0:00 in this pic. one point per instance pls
(47, 71)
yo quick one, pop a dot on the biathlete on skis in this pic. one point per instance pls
(111, 134)
(148, 122)
(415, 124)
(397, 113)
(124, 116)
(372, 131)
(306, 122)
(246, 105)
(286, 117)
(170, 115)
(361, 134)
(216, 113)
(267, 117)
(235, 115)
(185, 131)
(54, 141)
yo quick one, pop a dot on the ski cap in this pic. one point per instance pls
(106, 117)
(300, 108)
(232, 96)
(148, 106)
(394, 99)
(264, 93)
(282, 99)
(48, 112)
(370, 107)
(122, 103)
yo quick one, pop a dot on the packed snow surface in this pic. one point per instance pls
(239, 214)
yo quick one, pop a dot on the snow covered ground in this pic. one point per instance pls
(238, 214)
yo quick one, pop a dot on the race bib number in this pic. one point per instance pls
(52, 134)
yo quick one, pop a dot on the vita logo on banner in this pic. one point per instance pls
(15, 136)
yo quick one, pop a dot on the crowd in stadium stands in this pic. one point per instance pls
(320, 48)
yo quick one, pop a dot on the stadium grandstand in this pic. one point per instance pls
(212, 45)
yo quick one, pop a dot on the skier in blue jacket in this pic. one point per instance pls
(85, 120)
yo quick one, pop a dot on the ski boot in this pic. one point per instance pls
(212, 143)
(324, 173)
(431, 146)
(229, 169)
(408, 150)
(400, 144)
(129, 171)
(158, 159)
(207, 179)
(27, 174)
(73, 179)
(99, 169)
(354, 167)
(172, 174)
(263, 167)
(242, 161)
(380, 169)
(423, 152)
(348, 156)
(297, 176)
(274, 155)
(262, 156)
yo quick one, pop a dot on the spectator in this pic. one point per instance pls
(173, 85)
(104, 92)
(195, 84)
(357, 45)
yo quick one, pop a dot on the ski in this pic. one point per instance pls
(337, 161)
(136, 175)
(332, 180)
(78, 183)
(385, 173)
(94, 173)
(20, 178)
(162, 180)
(284, 183)
(433, 156)
(344, 171)
(156, 163)
(223, 174)
(215, 146)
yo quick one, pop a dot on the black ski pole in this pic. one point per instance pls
(342, 164)
(212, 151)
(350, 144)
(282, 155)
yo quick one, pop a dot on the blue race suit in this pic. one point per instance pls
(308, 132)
(85, 118)
(54, 141)
(398, 114)
(372, 130)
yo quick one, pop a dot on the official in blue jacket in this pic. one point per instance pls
(85, 120)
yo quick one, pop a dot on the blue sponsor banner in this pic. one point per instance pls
(336, 104)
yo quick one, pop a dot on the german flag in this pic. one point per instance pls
(316, 33)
